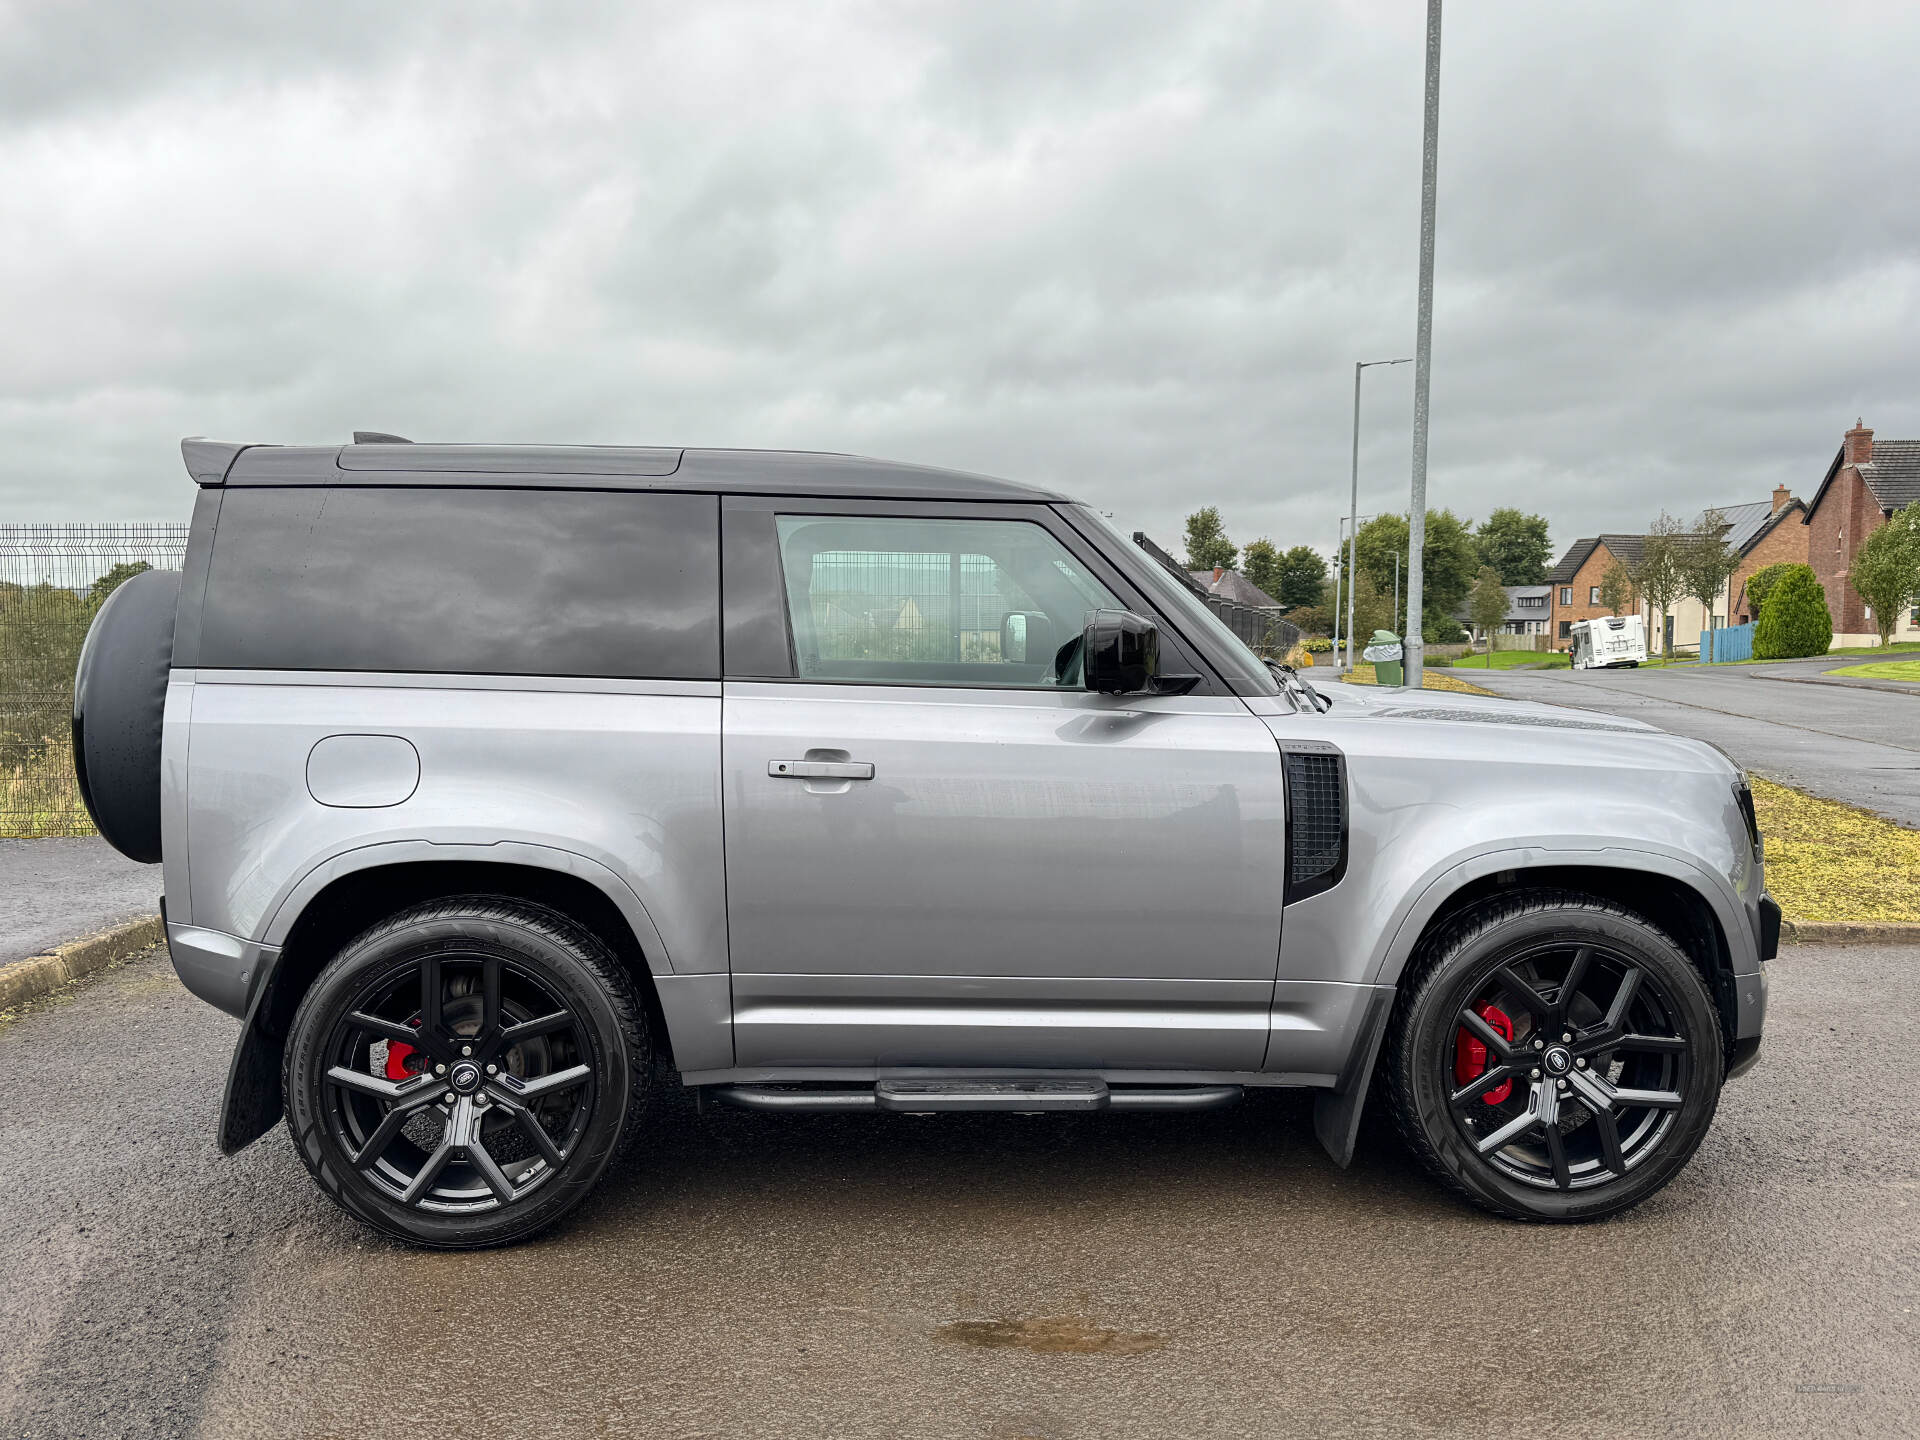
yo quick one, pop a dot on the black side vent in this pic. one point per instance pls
(1316, 818)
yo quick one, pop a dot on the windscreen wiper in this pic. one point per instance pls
(1294, 681)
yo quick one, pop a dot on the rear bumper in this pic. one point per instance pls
(221, 969)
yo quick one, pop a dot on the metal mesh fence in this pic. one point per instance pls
(53, 580)
(1259, 628)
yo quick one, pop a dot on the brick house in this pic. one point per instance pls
(1765, 533)
(1574, 584)
(1864, 486)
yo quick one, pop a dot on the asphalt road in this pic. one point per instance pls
(1847, 742)
(855, 1276)
(57, 890)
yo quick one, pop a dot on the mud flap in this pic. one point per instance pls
(252, 1104)
(1336, 1112)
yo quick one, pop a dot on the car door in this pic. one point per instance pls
(940, 849)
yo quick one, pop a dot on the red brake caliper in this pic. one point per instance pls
(403, 1060)
(1470, 1054)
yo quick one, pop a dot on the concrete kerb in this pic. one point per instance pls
(1886, 687)
(40, 975)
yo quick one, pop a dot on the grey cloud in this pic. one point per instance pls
(1130, 249)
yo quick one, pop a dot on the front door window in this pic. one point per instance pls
(905, 601)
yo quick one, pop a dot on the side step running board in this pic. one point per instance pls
(928, 1097)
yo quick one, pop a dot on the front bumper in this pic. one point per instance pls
(1750, 994)
(1769, 927)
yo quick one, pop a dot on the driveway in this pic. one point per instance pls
(861, 1276)
(57, 890)
(1847, 742)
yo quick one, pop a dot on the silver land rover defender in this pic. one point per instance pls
(493, 783)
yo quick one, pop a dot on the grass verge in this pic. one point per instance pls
(1908, 670)
(1515, 660)
(1828, 861)
(39, 795)
(1430, 680)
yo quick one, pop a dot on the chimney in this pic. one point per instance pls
(1220, 570)
(1781, 496)
(1859, 444)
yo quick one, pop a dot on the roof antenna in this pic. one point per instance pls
(378, 437)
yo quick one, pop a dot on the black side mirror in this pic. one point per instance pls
(1122, 653)
(1026, 638)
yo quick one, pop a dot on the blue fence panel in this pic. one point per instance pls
(1730, 642)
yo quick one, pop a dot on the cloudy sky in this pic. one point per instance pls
(1129, 249)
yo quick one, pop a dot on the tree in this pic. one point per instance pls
(1487, 606)
(1761, 582)
(1302, 574)
(1207, 543)
(1372, 611)
(1795, 620)
(1617, 591)
(1260, 563)
(1515, 546)
(1707, 563)
(1886, 570)
(1448, 567)
(1311, 619)
(112, 580)
(1659, 575)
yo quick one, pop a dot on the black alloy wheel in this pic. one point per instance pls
(1556, 1058)
(463, 1073)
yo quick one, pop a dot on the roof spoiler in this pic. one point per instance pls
(209, 460)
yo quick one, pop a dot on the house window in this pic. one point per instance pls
(1566, 594)
(1593, 595)
(1566, 627)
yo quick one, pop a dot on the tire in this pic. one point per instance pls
(463, 1073)
(1642, 1026)
(119, 701)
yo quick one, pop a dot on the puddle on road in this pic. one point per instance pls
(1048, 1335)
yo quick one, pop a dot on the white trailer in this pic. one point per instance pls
(1609, 641)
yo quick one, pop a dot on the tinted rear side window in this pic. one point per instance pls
(485, 582)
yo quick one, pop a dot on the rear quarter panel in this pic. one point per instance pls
(623, 775)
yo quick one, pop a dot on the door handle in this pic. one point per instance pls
(819, 769)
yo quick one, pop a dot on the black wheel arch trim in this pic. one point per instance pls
(1337, 1112)
(252, 1103)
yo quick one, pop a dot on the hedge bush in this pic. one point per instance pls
(1760, 584)
(1794, 621)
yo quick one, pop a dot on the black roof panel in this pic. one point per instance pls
(615, 467)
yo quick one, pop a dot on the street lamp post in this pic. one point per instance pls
(1353, 498)
(1416, 658)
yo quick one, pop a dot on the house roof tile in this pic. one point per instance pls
(1894, 473)
(1235, 587)
(1625, 548)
